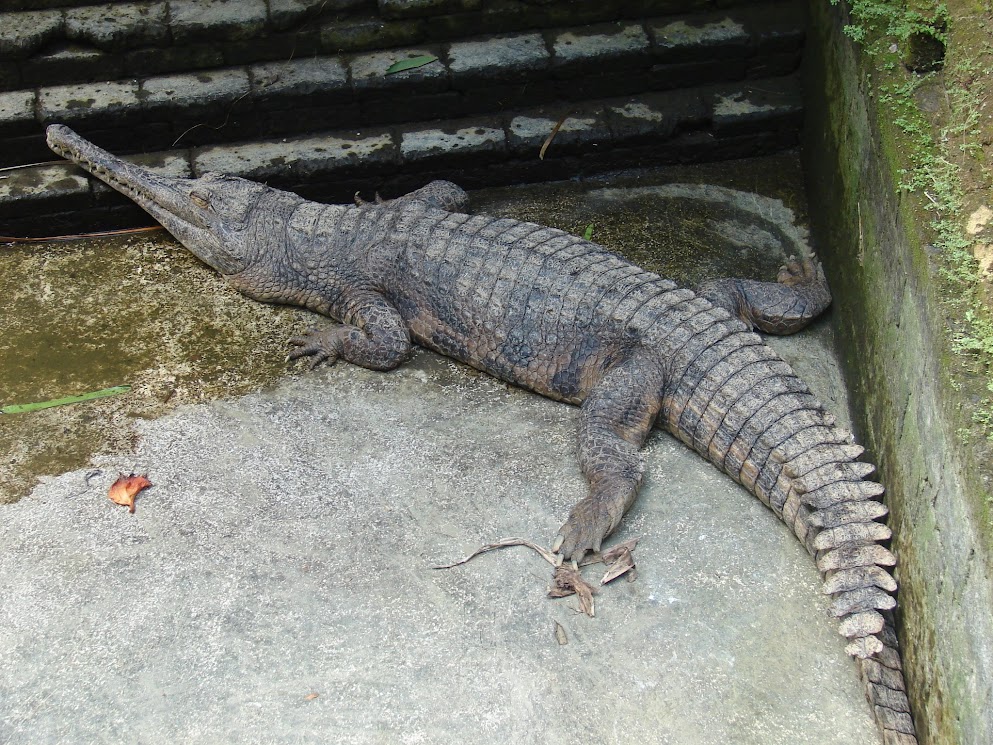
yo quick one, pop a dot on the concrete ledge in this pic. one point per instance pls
(119, 26)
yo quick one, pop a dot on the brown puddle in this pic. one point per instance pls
(127, 310)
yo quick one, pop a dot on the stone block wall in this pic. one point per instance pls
(297, 92)
(909, 396)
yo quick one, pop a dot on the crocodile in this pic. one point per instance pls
(568, 319)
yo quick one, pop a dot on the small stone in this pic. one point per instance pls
(688, 40)
(599, 44)
(369, 71)
(753, 106)
(978, 220)
(299, 77)
(369, 33)
(655, 114)
(497, 57)
(984, 255)
(49, 183)
(529, 131)
(200, 88)
(305, 156)
(72, 62)
(415, 8)
(284, 14)
(16, 110)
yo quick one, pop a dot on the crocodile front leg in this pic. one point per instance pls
(373, 335)
(615, 420)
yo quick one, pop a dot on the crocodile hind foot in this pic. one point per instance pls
(590, 521)
(805, 271)
(441, 195)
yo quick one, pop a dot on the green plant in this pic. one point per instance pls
(897, 19)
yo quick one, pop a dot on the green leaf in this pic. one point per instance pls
(588, 233)
(21, 408)
(411, 63)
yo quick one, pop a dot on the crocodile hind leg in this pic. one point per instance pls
(785, 306)
(615, 420)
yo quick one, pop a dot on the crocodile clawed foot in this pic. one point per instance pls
(320, 346)
(588, 524)
(800, 271)
(360, 202)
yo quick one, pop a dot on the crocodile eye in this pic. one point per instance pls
(200, 200)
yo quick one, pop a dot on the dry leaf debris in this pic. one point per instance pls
(126, 488)
(566, 579)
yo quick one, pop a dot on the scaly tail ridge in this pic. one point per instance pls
(740, 406)
(882, 675)
(835, 512)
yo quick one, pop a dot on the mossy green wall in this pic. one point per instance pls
(908, 403)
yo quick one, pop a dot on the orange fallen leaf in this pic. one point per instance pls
(311, 696)
(126, 488)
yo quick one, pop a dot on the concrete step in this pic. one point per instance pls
(347, 91)
(716, 122)
(55, 42)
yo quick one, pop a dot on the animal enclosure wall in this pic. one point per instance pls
(910, 398)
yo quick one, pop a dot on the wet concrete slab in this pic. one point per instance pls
(276, 584)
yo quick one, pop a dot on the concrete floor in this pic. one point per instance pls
(275, 585)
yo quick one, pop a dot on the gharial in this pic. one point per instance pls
(568, 319)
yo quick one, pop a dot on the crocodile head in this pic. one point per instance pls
(209, 215)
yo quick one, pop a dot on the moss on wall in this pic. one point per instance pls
(912, 396)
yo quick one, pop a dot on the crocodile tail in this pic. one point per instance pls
(743, 408)
(833, 508)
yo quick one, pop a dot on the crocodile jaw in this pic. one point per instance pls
(174, 202)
